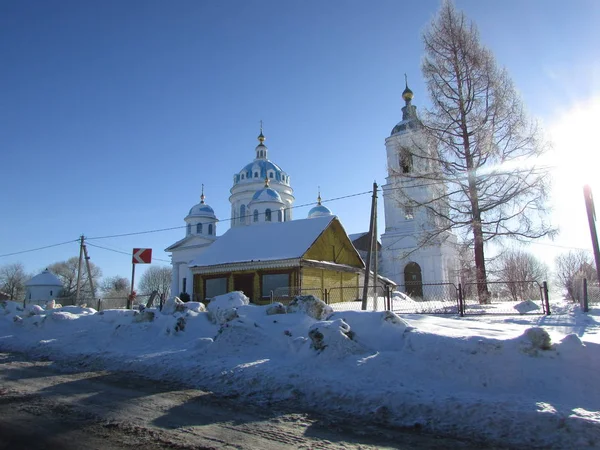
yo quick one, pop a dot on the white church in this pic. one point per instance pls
(262, 193)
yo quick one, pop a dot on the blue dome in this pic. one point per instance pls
(201, 210)
(266, 195)
(262, 168)
(319, 211)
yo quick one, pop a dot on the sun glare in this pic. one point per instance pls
(575, 159)
(576, 150)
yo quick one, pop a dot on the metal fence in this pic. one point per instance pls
(121, 302)
(285, 295)
(506, 298)
(429, 298)
(64, 301)
(339, 298)
(350, 298)
(100, 304)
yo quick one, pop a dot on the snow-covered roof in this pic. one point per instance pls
(264, 242)
(46, 278)
(189, 241)
(356, 236)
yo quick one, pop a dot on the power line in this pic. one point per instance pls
(137, 232)
(122, 252)
(224, 220)
(560, 246)
(158, 230)
(39, 248)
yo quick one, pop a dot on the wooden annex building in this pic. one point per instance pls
(283, 258)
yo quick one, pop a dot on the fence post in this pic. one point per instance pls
(99, 308)
(585, 305)
(461, 303)
(388, 296)
(326, 296)
(546, 300)
(162, 301)
(271, 296)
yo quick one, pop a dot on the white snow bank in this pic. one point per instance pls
(379, 331)
(521, 381)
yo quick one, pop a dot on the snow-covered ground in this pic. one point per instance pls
(529, 381)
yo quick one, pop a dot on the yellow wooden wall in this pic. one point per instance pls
(333, 245)
(341, 286)
(257, 298)
(198, 288)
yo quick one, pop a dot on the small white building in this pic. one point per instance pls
(43, 287)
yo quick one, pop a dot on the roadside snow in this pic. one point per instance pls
(523, 380)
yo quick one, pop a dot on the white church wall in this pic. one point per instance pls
(180, 260)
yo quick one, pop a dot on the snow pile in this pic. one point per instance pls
(334, 336)
(526, 306)
(311, 306)
(173, 305)
(381, 331)
(223, 308)
(521, 381)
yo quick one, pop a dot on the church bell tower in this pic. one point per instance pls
(404, 257)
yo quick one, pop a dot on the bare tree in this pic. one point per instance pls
(518, 270)
(13, 279)
(156, 279)
(571, 266)
(481, 149)
(66, 271)
(116, 286)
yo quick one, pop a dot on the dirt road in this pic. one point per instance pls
(44, 405)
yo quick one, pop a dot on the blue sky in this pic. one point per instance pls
(115, 112)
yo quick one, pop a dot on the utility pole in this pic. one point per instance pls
(79, 269)
(374, 244)
(372, 230)
(87, 264)
(130, 298)
(591, 213)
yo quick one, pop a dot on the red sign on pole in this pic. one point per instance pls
(142, 256)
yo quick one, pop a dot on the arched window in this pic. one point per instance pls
(243, 214)
(409, 212)
(267, 215)
(256, 215)
(406, 161)
(279, 215)
(242, 176)
(270, 174)
(413, 282)
(210, 228)
(199, 228)
(189, 228)
(255, 174)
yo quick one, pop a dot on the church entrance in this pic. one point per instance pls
(245, 283)
(413, 282)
